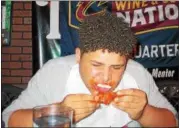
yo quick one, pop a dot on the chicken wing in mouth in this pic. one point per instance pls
(105, 95)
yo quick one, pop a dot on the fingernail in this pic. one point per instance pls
(96, 98)
(97, 105)
(116, 100)
(96, 92)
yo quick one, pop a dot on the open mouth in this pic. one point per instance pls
(102, 87)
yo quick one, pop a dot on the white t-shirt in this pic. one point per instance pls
(60, 77)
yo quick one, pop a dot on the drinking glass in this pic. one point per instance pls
(53, 115)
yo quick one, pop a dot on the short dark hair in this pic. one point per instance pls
(106, 31)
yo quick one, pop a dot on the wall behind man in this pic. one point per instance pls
(16, 66)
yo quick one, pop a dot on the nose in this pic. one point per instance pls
(107, 75)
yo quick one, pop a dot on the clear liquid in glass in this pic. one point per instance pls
(52, 121)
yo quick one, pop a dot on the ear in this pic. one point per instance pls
(78, 54)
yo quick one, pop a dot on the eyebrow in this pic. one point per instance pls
(117, 65)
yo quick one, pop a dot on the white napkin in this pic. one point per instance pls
(105, 116)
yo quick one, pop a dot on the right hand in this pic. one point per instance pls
(82, 104)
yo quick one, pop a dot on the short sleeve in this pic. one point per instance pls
(32, 96)
(155, 98)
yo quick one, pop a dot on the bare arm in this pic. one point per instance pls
(158, 111)
(134, 102)
(157, 117)
(21, 118)
(40, 91)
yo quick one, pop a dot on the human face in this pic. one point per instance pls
(101, 70)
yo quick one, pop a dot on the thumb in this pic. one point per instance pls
(95, 93)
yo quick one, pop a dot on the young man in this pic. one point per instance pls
(102, 66)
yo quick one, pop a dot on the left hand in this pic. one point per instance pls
(132, 101)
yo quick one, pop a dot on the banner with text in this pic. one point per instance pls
(155, 24)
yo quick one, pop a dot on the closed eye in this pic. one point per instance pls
(96, 65)
(117, 67)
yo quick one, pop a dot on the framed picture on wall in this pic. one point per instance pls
(6, 22)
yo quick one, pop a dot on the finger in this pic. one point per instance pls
(96, 98)
(127, 110)
(133, 113)
(132, 92)
(95, 92)
(78, 117)
(84, 110)
(132, 99)
(82, 97)
(84, 104)
(126, 105)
